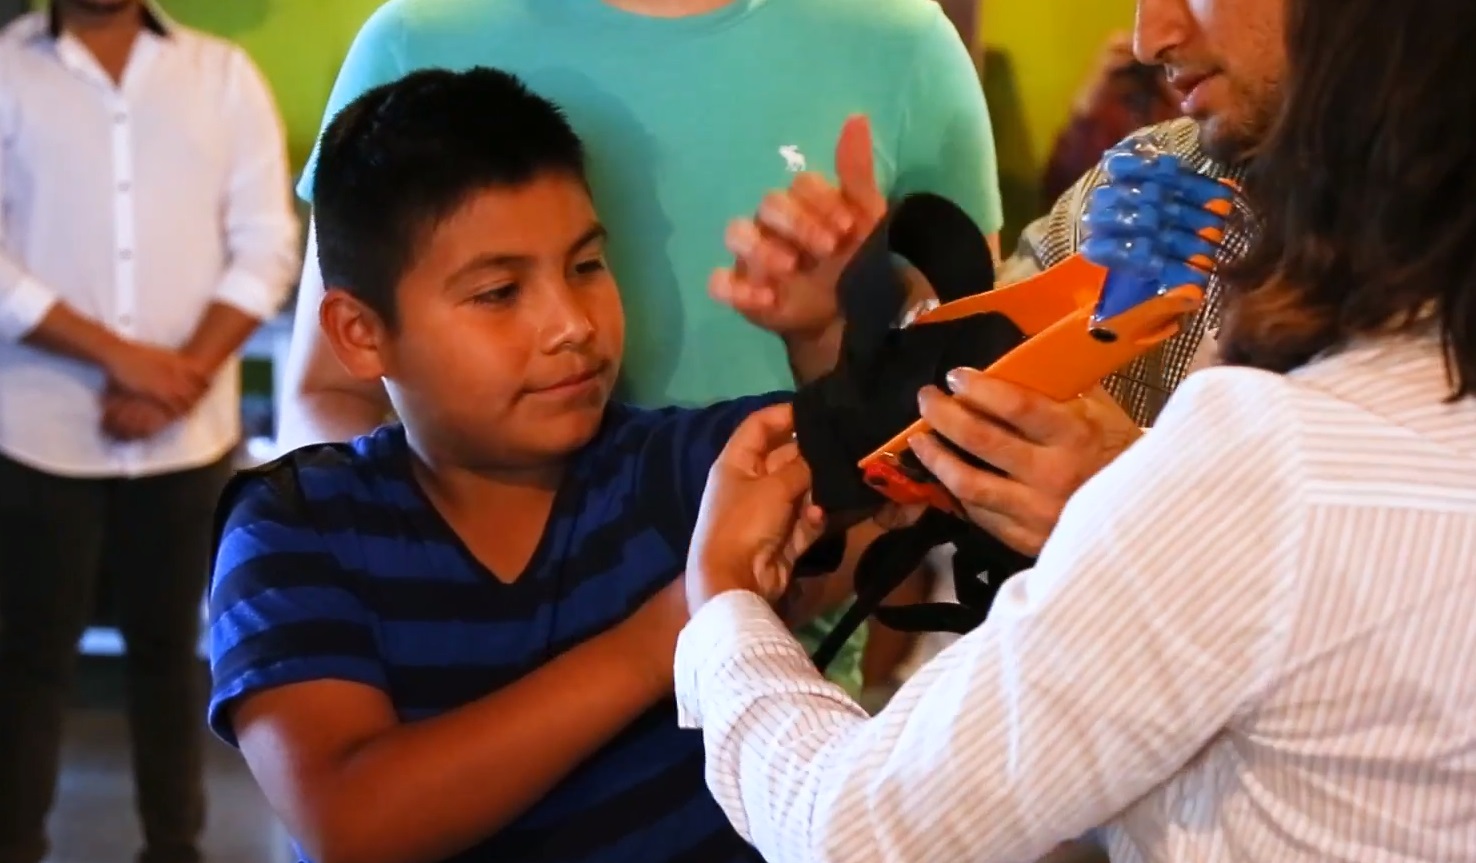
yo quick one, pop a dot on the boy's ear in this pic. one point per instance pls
(356, 333)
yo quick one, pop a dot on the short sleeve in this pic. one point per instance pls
(687, 444)
(947, 139)
(376, 57)
(282, 610)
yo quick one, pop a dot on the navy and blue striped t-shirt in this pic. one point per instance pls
(361, 580)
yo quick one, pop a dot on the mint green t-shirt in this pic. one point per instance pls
(688, 122)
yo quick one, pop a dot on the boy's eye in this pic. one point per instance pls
(590, 267)
(499, 294)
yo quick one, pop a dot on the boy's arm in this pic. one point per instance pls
(697, 437)
(301, 689)
(813, 356)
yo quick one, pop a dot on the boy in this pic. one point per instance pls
(453, 637)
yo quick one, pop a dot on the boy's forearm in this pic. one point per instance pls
(434, 788)
(819, 596)
(813, 356)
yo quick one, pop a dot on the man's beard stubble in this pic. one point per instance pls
(1234, 142)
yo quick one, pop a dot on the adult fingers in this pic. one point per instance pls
(974, 430)
(1039, 419)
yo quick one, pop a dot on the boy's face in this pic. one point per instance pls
(509, 331)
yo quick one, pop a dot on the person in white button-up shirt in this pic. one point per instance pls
(1248, 638)
(146, 229)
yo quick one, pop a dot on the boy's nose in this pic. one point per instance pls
(569, 322)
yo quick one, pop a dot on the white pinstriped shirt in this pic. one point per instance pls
(1252, 638)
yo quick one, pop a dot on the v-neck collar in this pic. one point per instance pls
(154, 19)
(552, 538)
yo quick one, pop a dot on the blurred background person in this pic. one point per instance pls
(1121, 96)
(147, 229)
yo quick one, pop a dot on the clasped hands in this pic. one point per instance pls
(148, 388)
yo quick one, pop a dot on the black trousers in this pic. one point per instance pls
(59, 538)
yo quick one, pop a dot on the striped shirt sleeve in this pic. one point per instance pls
(1158, 611)
(282, 610)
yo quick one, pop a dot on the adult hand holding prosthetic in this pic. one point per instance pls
(1045, 450)
(1155, 226)
(756, 519)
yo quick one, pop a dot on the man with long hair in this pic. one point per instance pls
(1249, 637)
(1223, 60)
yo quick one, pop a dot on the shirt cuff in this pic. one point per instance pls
(726, 624)
(250, 295)
(24, 306)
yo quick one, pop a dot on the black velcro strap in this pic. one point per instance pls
(884, 565)
(942, 241)
(872, 393)
(981, 564)
(931, 617)
(822, 558)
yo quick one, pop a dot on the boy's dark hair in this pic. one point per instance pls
(405, 155)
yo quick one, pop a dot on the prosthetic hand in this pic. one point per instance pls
(1153, 233)
(1155, 228)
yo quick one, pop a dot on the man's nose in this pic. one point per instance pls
(1161, 26)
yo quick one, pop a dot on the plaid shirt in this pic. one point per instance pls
(1145, 385)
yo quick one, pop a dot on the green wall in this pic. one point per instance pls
(298, 44)
(1052, 45)
(1037, 55)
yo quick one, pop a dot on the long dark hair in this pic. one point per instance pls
(1365, 190)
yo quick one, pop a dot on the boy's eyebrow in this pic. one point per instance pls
(595, 233)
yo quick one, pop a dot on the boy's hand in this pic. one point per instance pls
(756, 519)
(790, 255)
